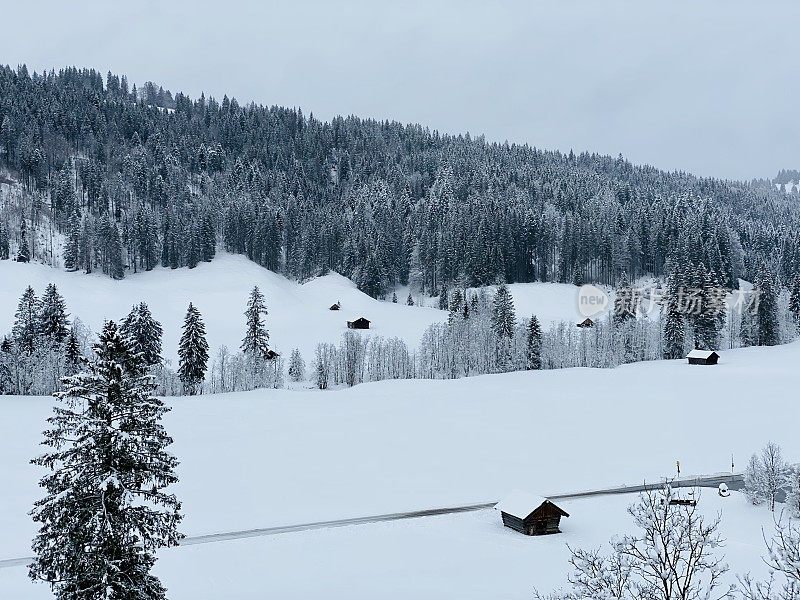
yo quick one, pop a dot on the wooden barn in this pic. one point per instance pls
(586, 323)
(703, 357)
(336, 306)
(359, 323)
(529, 514)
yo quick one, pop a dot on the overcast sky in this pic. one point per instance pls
(708, 86)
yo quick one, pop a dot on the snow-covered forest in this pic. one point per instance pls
(103, 176)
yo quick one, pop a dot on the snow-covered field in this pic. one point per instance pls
(464, 556)
(277, 457)
(298, 314)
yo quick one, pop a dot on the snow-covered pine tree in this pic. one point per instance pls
(72, 353)
(674, 332)
(625, 301)
(26, 322)
(143, 334)
(193, 352)
(394, 297)
(767, 314)
(106, 511)
(72, 247)
(444, 303)
(503, 323)
(503, 315)
(410, 300)
(533, 353)
(793, 491)
(24, 254)
(256, 337)
(297, 366)
(794, 301)
(53, 317)
(5, 246)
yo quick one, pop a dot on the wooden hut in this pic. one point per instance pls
(359, 323)
(703, 357)
(529, 514)
(586, 323)
(336, 306)
(271, 355)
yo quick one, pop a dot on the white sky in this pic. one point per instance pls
(709, 86)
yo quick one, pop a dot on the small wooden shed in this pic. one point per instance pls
(586, 323)
(271, 355)
(703, 357)
(530, 514)
(359, 323)
(336, 306)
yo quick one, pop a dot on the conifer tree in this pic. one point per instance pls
(72, 353)
(624, 301)
(192, 352)
(297, 366)
(794, 301)
(256, 338)
(767, 313)
(674, 331)
(394, 297)
(53, 317)
(72, 248)
(106, 511)
(534, 345)
(24, 254)
(5, 248)
(503, 315)
(409, 300)
(143, 334)
(26, 322)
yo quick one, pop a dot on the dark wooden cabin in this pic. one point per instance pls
(336, 306)
(586, 323)
(359, 323)
(703, 357)
(529, 514)
(271, 355)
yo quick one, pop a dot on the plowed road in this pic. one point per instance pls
(734, 482)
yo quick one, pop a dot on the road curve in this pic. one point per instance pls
(734, 482)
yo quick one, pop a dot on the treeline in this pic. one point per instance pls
(131, 180)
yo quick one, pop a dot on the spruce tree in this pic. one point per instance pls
(24, 254)
(674, 330)
(534, 345)
(5, 248)
(26, 322)
(192, 352)
(53, 317)
(503, 315)
(410, 300)
(794, 301)
(444, 303)
(625, 301)
(767, 312)
(297, 366)
(143, 334)
(256, 338)
(72, 353)
(106, 512)
(72, 248)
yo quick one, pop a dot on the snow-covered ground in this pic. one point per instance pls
(464, 556)
(298, 314)
(277, 457)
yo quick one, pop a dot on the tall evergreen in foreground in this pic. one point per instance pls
(767, 313)
(106, 511)
(256, 337)
(24, 254)
(674, 328)
(193, 352)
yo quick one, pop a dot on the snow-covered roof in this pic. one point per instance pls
(520, 504)
(700, 353)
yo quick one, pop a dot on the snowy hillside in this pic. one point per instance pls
(298, 314)
(275, 457)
